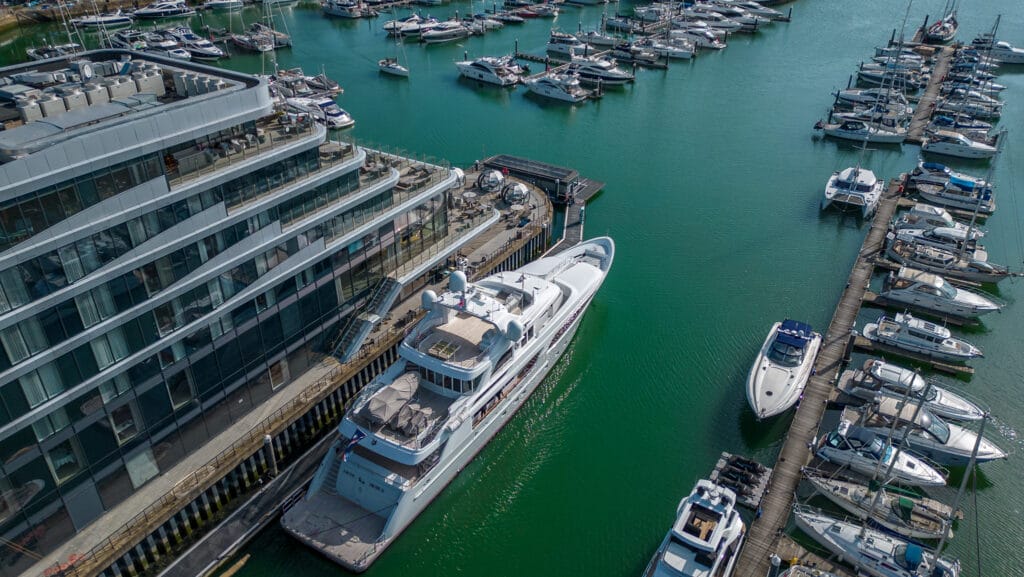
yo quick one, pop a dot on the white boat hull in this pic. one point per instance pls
(773, 389)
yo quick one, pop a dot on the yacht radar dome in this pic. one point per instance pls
(514, 330)
(427, 300)
(457, 281)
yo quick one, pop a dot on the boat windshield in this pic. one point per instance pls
(786, 355)
(947, 291)
(937, 428)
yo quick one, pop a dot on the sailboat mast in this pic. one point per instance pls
(963, 483)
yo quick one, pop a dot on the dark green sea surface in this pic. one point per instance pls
(714, 176)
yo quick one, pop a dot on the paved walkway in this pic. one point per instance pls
(766, 531)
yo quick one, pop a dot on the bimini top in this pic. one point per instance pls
(963, 183)
(795, 333)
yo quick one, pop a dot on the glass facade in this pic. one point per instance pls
(83, 427)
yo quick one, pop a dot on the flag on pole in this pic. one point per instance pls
(359, 436)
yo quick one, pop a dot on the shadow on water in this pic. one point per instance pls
(764, 433)
(980, 481)
(486, 91)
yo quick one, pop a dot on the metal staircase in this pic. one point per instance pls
(359, 325)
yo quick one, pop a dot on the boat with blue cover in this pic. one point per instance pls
(782, 368)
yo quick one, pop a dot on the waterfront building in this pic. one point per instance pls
(173, 252)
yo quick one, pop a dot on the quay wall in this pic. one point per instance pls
(169, 526)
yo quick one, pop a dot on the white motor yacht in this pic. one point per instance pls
(223, 5)
(447, 31)
(415, 28)
(956, 240)
(854, 187)
(755, 8)
(345, 8)
(162, 10)
(909, 516)
(861, 131)
(933, 293)
(782, 367)
(865, 452)
(393, 67)
(200, 48)
(106, 21)
(129, 40)
(599, 70)
(565, 44)
(394, 27)
(927, 434)
(945, 262)
(675, 48)
(323, 110)
(878, 379)
(906, 332)
(955, 144)
(461, 374)
(701, 38)
(998, 50)
(705, 538)
(559, 86)
(164, 46)
(713, 19)
(872, 552)
(600, 40)
(747, 21)
(488, 69)
(924, 215)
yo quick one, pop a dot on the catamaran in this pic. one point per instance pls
(462, 372)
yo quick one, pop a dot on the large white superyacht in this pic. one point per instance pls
(462, 373)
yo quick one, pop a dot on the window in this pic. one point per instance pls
(115, 387)
(278, 374)
(41, 385)
(179, 387)
(109, 348)
(65, 460)
(50, 424)
(125, 421)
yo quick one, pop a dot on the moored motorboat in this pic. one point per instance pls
(933, 293)
(200, 48)
(705, 538)
(782, 367)
(447, 31)
(559, 86)
(877, 379)
(164, 10)
(565, 44)
(945, 262)
(599, 70)
(223, 5)
(998, 50)
(904, 331)
(488, 69)
(323, 110)
(955, 144)
(460, 375)
(861, 131)
(106, 21)
(866, 453)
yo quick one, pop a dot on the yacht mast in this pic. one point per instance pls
(963, 483)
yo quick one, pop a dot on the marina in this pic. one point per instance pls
(523, 477)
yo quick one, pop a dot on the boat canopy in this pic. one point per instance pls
(794, 333)
(914, 555)
(934, 166)
(962, 183)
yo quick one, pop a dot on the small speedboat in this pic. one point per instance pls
(854, 187)
(782, 367)
(865, 452)
(392, 67)
(705, 538)
(873, 553)
(933, 293)
(910, 516)
(906, 332)
(878, 379)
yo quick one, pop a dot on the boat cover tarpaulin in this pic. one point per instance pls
(962, 183)
(794, 333)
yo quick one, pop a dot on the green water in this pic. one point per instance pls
(713, 181)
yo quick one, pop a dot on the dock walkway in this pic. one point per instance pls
(763, 539)
(929, 99)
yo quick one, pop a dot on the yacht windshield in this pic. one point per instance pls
(938, 428)
(786, 355)
(947, 291)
